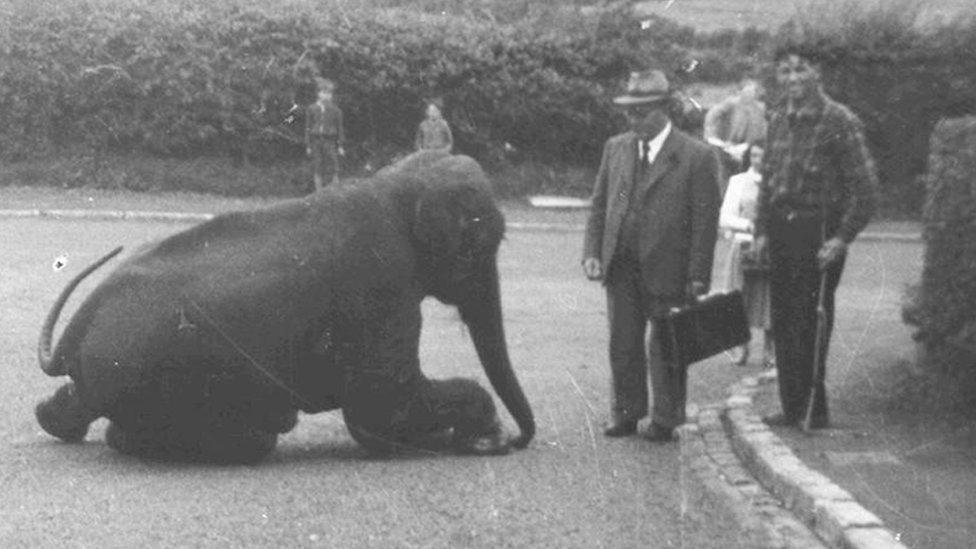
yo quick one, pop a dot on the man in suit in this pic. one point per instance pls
(650, 238)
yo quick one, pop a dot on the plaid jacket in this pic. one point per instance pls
(814, 153)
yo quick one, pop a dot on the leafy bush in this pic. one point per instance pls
(941, 307)
(176, 79)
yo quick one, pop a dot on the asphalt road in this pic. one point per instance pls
(570, 488)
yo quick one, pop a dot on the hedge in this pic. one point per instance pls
(179, 79)
(520, 80)
(942, 305)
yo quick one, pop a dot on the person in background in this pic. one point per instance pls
(734, 123)
(736, 221)
(433, 132)
(650, 237)
(820, 191)
(324, 135)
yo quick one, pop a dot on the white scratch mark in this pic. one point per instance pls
(555, 426)
(579, 391)
(589, 428)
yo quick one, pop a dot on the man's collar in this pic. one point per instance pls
(658, 140)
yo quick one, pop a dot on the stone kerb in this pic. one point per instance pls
(828, 509)
(710, 469)
(109, 215)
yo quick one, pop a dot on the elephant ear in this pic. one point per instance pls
(437, 226)
(456, 217)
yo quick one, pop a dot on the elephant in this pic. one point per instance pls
(206, 344)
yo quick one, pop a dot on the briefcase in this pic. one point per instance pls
(704, 329)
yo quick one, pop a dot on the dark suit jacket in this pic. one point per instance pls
(678, 210)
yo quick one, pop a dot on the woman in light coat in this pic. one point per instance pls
(736, 221)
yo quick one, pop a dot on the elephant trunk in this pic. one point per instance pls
(44, 354)
(483, 315)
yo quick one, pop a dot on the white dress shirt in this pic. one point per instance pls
(654, 145)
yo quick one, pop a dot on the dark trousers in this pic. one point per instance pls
(634, 350)
(794, 289)
(325, 160)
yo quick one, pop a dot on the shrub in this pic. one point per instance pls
(175, 79)
(941, 306)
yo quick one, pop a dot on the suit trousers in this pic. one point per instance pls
(794, 287)
(634, 349)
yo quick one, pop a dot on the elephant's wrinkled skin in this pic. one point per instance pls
(206, 344)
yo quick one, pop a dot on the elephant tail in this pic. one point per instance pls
(44, 354)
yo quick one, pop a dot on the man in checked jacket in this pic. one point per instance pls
(821, 190)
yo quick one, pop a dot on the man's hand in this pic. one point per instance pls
(694, 290)
(308, 151)
(341, 151)
(592, 268)
(831, 252)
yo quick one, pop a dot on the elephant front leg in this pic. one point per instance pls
(468, 409)
(385, 419)
(389, 403)
(64, 415)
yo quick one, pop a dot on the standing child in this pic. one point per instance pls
(433, 132)
(324, 135)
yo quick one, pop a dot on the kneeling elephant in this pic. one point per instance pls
(206, 344)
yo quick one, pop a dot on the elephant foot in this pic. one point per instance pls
(63, 415)
(491, 441)
(487, 445)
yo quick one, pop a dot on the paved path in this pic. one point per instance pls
(571, 488)
(727, 456)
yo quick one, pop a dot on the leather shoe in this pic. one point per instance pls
(659, 433)
(621, 428)
(779, 420)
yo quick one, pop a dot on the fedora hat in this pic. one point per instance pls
(645, 87)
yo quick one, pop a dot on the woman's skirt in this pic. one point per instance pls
(754, 284)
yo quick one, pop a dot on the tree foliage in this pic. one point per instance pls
(180, 79)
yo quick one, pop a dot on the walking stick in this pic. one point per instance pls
(819, 342)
